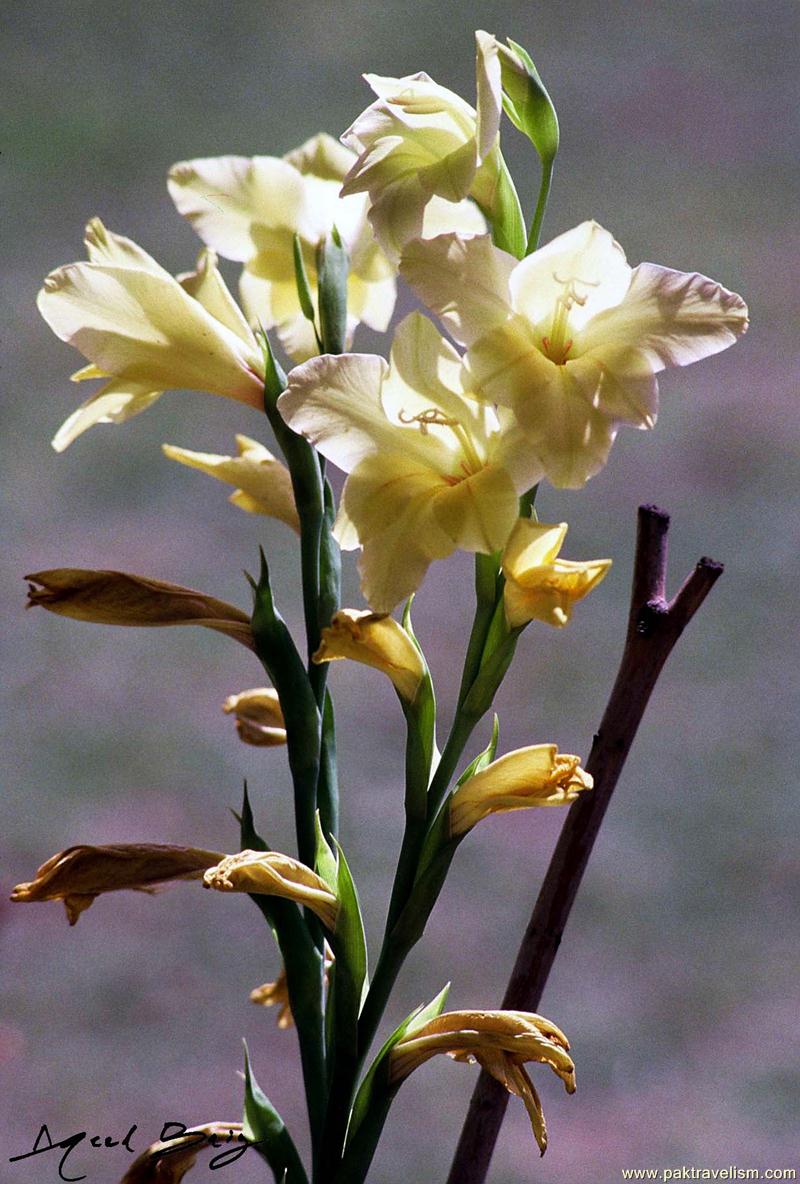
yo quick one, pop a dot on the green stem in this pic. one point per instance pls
(541, 205)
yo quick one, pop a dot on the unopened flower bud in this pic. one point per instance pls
(536, 776)
(270, 873)
(120, 598)
(539, 585)
(79, 874)
(375, 640)
(259, 719)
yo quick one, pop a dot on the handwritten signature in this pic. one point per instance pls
(170, 1130)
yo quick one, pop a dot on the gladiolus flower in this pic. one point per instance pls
(536, 776)
(259, 719)
(249, 210)
(79, 874)
(501, 1042)
(418, 142)
(263, 484)
(539, 585)
(167, 1161)
(269, 873)
(147, 331)
(120, 598)
(571, 338)
(376, 640)
(431, 470)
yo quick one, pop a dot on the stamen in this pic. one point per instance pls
(471, 462)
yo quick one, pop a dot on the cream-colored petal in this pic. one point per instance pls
(490, 95)
(207, 286)
(397, 213)
(533, 544)
(478, 513)
(323, 157)
(116, 402)
(143, 328)
(447, 217)
(674, 317)
(567, 433)
(426, 372)
(372, 301)
(263, 482)
(465, 281)
(586, 257)
(103, 246)
(228, 198)
(335, 402)
(619, 382)
(297, 337)
(388, 498)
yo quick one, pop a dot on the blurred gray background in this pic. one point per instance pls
(677, 979)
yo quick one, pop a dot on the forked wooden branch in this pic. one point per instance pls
(654, 626)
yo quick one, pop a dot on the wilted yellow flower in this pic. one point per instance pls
(263, 482)
(120, 598)
(277, 994)
(79, 874)
(259, 719)
(249, 210)
(420, 142)
(168, 1161)
(536, 776)
(269, 873)
(501, 1042)
(431, 469)
(539, 585)
(376, 640)
(571, 338)
(147, 331)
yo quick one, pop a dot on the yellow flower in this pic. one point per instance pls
(420, 145)
(539, 585)
(269, 873)
(501, 1042)
(121, 598)
(571, 338)
(263, 482)
(431, 469)
(249, 210)
(79, 874)
(376, 640)
(536, 776)
(147, 331)
(167, 1161)
(259, 719)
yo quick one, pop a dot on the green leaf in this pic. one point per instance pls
(333, 264)
(526, 101)
(483, 758)
(375, 1097)
(505, 217)
(325, 860)
(265, 1129)
(301, 281)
